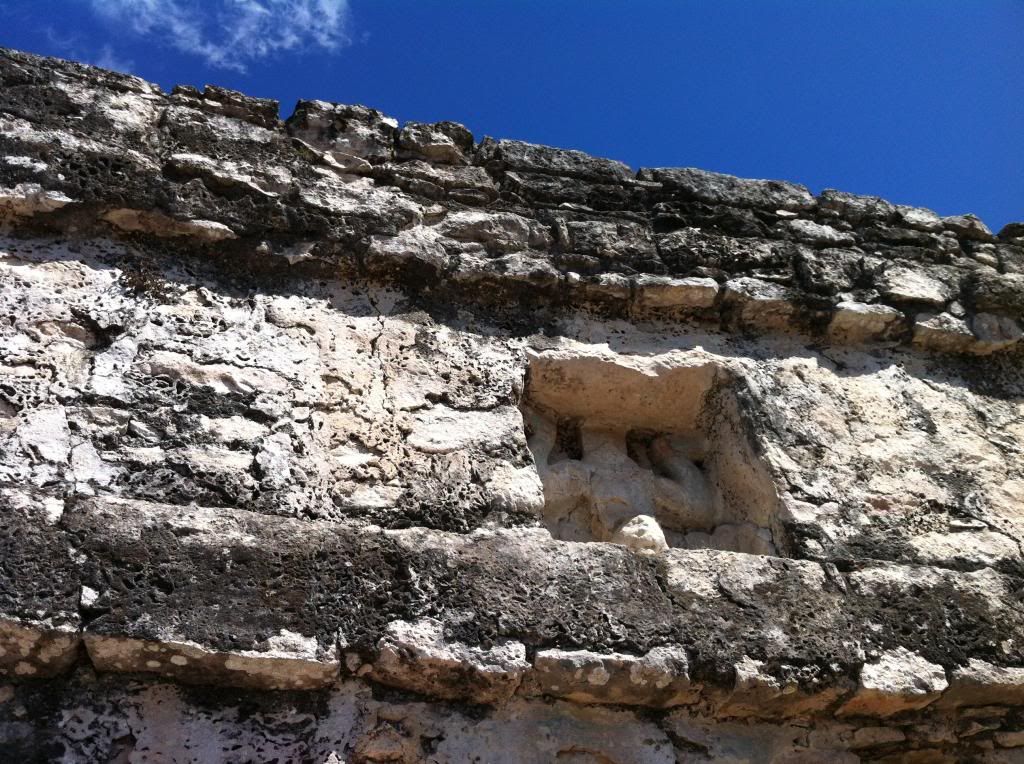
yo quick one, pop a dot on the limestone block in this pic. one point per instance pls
(442, 430)
(658, 678)
(855, 207)
(441, 142)
(980, 683)
(236, 603)
(416, 656)
(719, 188)
(39, 586)
(220, 377)
(920, 218)
(756, 693)
(31, 199)
(760, 304)
(993, 333)
(345, 131)
(976, 549)
(898, 681)
(942, 332)
(1000, 293)
(818, 234)
(664, 292)
(500, 231)
(901, 284)
(859, 322)
(1012, 232)
(469, 185)
(33, 650)
(290, 661)
(519, 268)
(161, 225)
(608, 287)
(619, 242)
(231, 103)
(418, 244)
(226, 175)
(517, 155)
(45, 430)
(968, 227)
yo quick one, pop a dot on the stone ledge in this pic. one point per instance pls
(708, 596)
(290, 662)
(720, 594)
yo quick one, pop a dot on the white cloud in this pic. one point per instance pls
(75, 46)
(230, 34)
(107, 59)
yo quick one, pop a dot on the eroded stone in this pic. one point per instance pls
(658, 678)
(898, 681)
(416, 656)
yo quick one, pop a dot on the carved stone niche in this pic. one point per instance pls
(647, 454)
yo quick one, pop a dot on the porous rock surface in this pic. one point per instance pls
(334, 439)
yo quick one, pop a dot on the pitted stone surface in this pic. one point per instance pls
(898, 681)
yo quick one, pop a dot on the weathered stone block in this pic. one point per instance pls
(530, 157)
(942, 332)
(980, 683)
(666, 292)
(760, 304)
(719, 188)
(898, 681)
(344, 130)
(416, 656)
(658, 678)
(858, 322)
(441, 142)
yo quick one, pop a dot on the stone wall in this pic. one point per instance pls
(334, 440)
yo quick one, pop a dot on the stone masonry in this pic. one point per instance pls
(333, 439)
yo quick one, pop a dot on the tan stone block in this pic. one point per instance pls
(659, 678)
(898, 681)
(980, 683)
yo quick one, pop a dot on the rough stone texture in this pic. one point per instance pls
(336, 439)
(898, 681)
(657, 678)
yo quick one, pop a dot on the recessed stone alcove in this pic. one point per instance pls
(648, 452)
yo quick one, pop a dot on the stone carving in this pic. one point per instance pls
(618, 497)
(606, 480)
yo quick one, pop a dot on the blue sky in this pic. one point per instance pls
(919, 101)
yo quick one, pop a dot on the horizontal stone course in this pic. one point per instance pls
(279, 193)
(177, 598)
